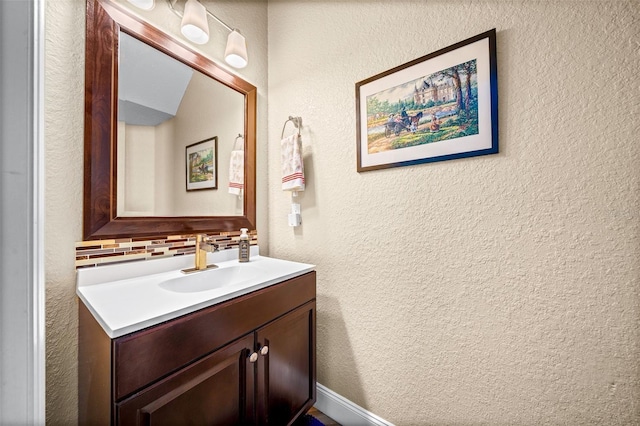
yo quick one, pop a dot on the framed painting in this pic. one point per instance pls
(438, 107)
(202, 165)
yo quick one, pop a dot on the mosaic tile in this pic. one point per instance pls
(100, 252)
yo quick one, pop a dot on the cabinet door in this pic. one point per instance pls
(287, 371)
(217, 390)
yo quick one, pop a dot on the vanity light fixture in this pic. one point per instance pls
(143, 4)
(236, 52)
(194, 22)
(196, 29)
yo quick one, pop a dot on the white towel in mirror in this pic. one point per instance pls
(236, 172)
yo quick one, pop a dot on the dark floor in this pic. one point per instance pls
(326, 420)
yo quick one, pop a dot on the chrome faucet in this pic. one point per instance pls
(204, 245)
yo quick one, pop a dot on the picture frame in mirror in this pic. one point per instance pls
(201, 165)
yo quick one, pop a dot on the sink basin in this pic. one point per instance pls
(131, 296)
(211, 279)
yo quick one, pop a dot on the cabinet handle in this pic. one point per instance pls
(264, 350)
(253, 357)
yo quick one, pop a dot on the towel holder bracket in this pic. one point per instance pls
(297, 122)
(235, 142)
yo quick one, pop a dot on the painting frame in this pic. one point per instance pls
(471, 114)
(201, 165)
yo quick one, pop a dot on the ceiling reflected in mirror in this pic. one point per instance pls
(151, 85)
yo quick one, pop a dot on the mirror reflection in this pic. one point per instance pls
(165, 106)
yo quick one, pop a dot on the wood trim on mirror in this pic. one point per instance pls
(105, 19)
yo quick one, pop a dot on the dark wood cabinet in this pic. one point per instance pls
(248, 361)
(283, 386)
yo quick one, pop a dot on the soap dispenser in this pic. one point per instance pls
(243, 246)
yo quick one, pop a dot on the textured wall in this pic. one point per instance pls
(502, 289)
(64, 115)
(64, 109)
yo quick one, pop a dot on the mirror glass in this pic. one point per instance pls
(162, 124)
(164, 106)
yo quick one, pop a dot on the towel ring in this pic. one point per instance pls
(297, 122)
(235, 142)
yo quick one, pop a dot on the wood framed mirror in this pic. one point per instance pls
(108, 23)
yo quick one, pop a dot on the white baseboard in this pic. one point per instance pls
(344, 411)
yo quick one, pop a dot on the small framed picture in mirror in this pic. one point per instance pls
(202, 164)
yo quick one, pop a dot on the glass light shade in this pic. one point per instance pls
(194, 22)
(143, 4)
(236, 52)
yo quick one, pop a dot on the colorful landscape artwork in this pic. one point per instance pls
(433, 108)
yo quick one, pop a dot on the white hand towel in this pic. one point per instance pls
(236, 172)
(292, 165)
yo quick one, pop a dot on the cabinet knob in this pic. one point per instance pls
(264, 350)
(253, 357)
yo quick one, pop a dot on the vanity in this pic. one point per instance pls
(224, 349)
(229, 345)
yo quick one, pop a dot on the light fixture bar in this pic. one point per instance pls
(170, 3)
(219, 20)
(236, 50)
(174, 10)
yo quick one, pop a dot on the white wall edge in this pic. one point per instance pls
(38, 330)
(344, 411)
(22, 293)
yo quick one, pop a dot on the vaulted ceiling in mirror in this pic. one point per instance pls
(151, 84)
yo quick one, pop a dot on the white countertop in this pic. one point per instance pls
(131, 296)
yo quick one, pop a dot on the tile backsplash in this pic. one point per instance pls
(103, 252)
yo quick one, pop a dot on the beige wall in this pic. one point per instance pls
(138, 188)
(491, 290)
(64, 109)
(165, 135)
(207, 111)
